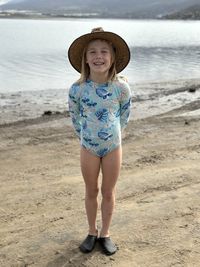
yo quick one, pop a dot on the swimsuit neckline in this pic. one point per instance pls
(95, 84)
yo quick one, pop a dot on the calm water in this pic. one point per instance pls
(33, 53)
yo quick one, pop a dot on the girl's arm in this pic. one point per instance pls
(125, 105)
(74, 108)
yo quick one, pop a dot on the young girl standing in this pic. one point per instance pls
(99, 105)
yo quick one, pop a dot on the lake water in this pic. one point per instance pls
(33, 53)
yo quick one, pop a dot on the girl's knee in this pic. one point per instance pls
(107, 194)
(92, 193)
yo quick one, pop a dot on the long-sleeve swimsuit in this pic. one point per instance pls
(99, 113)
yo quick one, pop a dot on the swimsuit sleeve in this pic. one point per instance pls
(74, 107)
(125, 105)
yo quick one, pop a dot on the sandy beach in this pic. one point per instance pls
(157, 218)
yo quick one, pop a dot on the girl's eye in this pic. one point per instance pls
(104, 51)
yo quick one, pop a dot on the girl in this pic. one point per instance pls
(99, 105)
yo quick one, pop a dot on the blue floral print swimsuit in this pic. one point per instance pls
(99, 113)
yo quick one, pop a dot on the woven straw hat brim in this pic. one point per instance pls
(122, 51)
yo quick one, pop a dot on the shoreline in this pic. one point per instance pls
(149, 99)
(43, 16)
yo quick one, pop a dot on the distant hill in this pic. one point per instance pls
(101, 8)
(191, 13)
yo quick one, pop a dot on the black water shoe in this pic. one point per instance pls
(108, 247)
(88, 244)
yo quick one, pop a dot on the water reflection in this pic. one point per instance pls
(163, 63)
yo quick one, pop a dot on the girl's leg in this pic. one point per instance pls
(90, 167)
(111, 164)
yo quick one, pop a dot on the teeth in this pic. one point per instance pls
(98, 63)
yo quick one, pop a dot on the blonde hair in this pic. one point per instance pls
(85, 70)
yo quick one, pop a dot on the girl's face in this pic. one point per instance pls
(99, 57)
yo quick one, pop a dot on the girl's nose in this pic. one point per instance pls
(98, 55)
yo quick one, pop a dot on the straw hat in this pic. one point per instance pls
(122, 52)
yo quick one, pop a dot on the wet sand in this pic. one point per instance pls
(157, 218)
